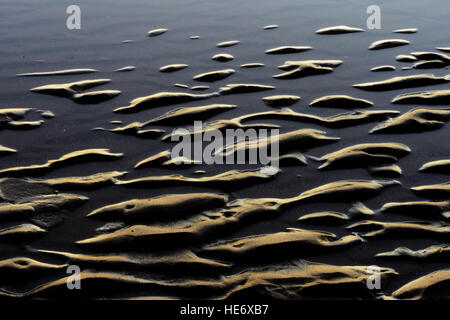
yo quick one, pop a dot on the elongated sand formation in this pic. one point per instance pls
(419, 80)
(442, 166)
(415, 120)
(434, 97)
(364, 155)
(226, 44)
(162, 205)
(57, 73)
(424, 287)
(157, 32)
(340, 101)
(189, 114)
(69, 89)
(432, 252)
(291, 239)
(339, 30)
(161, 99)
(76, 156)
(299, 69)
(388, 43)
(288, 49)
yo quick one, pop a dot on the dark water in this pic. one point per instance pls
(34, 38)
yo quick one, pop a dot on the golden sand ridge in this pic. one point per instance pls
(340, 101)
(57, 73)
(429, 253)
(391, 170)
(442, 166)
(388, 43)
(189, 114)
(415, 120)
(161, 99)
(304, 68)
(325, 217)
(76, 156)
(232, 177)
(364, 154)
(21, 232)
(302, 139)
(427, 286)
(339, 30)
(164, 205)
(424, 97)
(214, 75)
(291, 239)
(418, 80)
(288, 49)
(371, 229)
(173, 67)
(383, 68)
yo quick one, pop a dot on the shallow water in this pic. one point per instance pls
(37, 40)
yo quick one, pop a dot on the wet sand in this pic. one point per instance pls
(364, 180)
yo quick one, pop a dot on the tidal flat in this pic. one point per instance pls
(88, 175)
